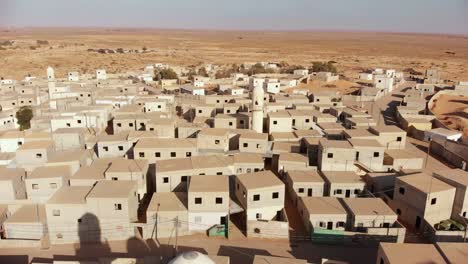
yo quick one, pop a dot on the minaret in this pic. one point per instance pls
(50, 83)
(257, 109)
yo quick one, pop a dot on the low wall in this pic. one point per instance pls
(19, 243)
(267, 229)
(454, 152)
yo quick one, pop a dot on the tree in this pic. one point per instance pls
(318, 66)
(24, 116)
(145, 48)
(165, 74)
(202, 72)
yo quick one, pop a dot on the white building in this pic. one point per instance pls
(73, 76)
(101, 74)
(442, 133)
(383, 82)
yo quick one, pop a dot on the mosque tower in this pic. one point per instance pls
(257, 109)
(50, 83)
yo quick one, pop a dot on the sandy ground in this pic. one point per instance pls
(453, 112)
(67, 50)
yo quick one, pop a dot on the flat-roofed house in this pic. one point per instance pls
(154, 149)
(261, 194)
(459, 179)
(232, 121)
(11, 140)
(336, 155)
(12, 184)
(420, 198)
(69, 138)
(89, 175)
(322, 213)
(252, 142)
(208, 201)
(403, 159)
(72, 158)
(280, 121)
(112, 146)
(64, 211)
(369, 212)
(304, 184)
(392, 137)
(396, 253)
(343, 183)
(34, 154)
(301, 119)
(247, 163)
(43, 182)
(163, 127)
(290, 161)
(172, 175)
(27, 222)
(214, 140)
(369, 153)
(130, 170)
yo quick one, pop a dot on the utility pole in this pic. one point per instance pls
(177, 233)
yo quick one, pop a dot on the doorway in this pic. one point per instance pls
(330, 225)
(418, 222)
(309, 192)
(348, 193)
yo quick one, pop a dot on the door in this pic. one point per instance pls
(348, 193)
(222, 220)
(418, 222)
(309, 192)
(330, 225)
(357, 155)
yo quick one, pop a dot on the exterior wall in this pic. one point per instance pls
(202, 221)
(104, 209)
(390, 140)
(150, 154)
(34, 231)
(10, 144)
(358, 221)
(68, 141)
(29, 159)
(220, 143)
(162, 131)
(63, 228)
(252, 145)
(268, 229)
(115, 149)
(340, 189)
(46, 187)
(341, 160)
(174, 181)
(279, 124)
(367, 158)
(139, 177)
(460, 205)
(208, 202)
(13, 189)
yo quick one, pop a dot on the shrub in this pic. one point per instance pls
(202, 72)
(24, 116)
(165, 74)
(42, 42)
(318, 66)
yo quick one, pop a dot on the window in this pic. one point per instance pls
(219, 200)
(275, 122)
(38, 155)
(340, 224)
(398, 211)
(322, 224)
(157, 154)
(246, 145)
(56, 212)
(228, 111)
(434, 201)
(141, 154)
(401, 190)
(115, 178)
(219, 173)
(241, 122)
(53, 185)
(173, 154)
(159, 106)
(357, 191)
(230, 123)
(382, 261)
(307, 120)
(198, 219)
(35, 186)
(198, 200)
(119, 124)
(199, 111)
(338, 191)
(120, 148)
(237, 186)
(258, 146)
(165, 179)
(183, 178)
(301, 190)
(258, 216)
(117, 207)
(256, 197)
(20, 143)
(216, 141)
(78, 121)
(376, 154)
(398, 139)
(130, 124)
(275, 195)
(188, 154)
(330, 155)
(105, 148)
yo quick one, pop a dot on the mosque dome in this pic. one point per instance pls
(192, 257)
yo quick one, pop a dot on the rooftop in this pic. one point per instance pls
(342, 177)
(209, 183)
(93, 171)
(36, 145)
(261, 179)
(305, 176)
(29, 213)
(425, 183)
(323, 205)
(454, 252)
(70, 195)
(343, 144)
(457, 175)
(369, 206)
(173, 165)
(112, 189)
(166, 143)
(412, 253)
(358, 132)
(50, 172)
(168, 202)
(387, 129)
(127, 165)
(372, 143)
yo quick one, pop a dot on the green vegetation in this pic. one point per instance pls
(24, 116)
(291, 68)
(165, 74)
(226, 73)
(42, 42)
(318, 66)
(257, 69)
(202, 72)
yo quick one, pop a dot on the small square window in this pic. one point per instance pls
(256, 197)
(246, 145)
(117, 207)
(157, 154)
(20, 143)
(173, 154)
(230, 123)
(38, 155)
(141, 154)
(56, 212)
(275, 195)
(35, 186)
(301, 190)
(219, 173)
(119, 124)
(53, 185)
(338, 191)
(198, 200)
(433, 200)
(401, 190)
(219, 200)
(115, 178)
(376, 154)
(78, 121)
(188, 154)
(307, 120)
(105, 148)
(275, 122)
(120, 148)
(183, 178)
(216, 141)
(165, 179)
(330, 155)
(199, 111)
(130, 124)
(398, 139)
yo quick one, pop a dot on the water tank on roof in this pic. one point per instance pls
(192, 257)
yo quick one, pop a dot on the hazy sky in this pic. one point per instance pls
(433, 16)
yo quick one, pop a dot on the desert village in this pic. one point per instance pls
(112, 157)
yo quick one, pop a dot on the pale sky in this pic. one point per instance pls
(424, 16)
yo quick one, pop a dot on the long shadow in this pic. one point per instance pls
(459, 101)
(20, 259)
(240, 254)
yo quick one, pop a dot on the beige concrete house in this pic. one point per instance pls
(205, 110)
(69, 138)
(247, 163)
(395, 253)
(290, 161)
(322, 213)
(131, 170)
(261, 194)
(402, 159)
(420, 198)
(280, 121)
(27, 222)
(89, 175)
(43, 182)
(75, 159)
(154, 149)
(112, 146)
(459, 179)
(172, 175)
(163, 127)
(343, 183)
(232, 121)
(301, 119)
(252, 142)
(304, 184)
(336, 155)
(354, 122)
(369, 154)
(369, 212)
(216, 140)
(208, 202)
(12, 184)
(34, 154)
(392, 137)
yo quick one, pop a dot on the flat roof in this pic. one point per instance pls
(335, 143)
(50, 172)
(454, 252)
(146, 143)
(261, 179)
(173, 165)
(457, 175)
(372, 143)
(369, 206)
(250, 158)
(214, 131)
(168, 202)
(210, 161)
(299, 176)
(254, 135)
(359, 132)
(127, 165)
(293, 157)
(331, 125)
(11, 173)
(342, 177)
(111, 138)
(425, 183)
(280, 114)
(307, 133)
(444, 131)
(39, 144)
(70, 195)
(112, 189)
(209, 183)
(29, 213)
(69, 155)
(93, 171)
(387, 129)
(403, 154)
(323, 205)
(412, 253)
